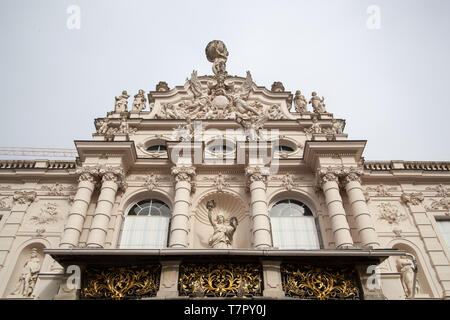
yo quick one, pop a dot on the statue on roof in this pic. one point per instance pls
(317, 103)
(122, 102)
(217, 53)
(300, 103)
(139, 101)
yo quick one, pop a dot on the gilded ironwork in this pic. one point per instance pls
(321, 283)
(220, 280)
(121, 282)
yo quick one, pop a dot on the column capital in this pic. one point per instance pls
(328, 174)
(413, 198)
(87, 173)
(351, 174)
(256, 173)
(114, 174)
(185, 173)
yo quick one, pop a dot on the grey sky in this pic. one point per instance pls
(389, 84)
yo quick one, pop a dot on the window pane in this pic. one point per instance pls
(445, 229)
(294, 233)
(146, 226)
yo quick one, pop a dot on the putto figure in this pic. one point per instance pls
(122, 102)
(300, 103)
(139, 101)
(317, 103)
(222, 237)
(29, 275)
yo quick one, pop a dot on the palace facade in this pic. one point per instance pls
(222, 188)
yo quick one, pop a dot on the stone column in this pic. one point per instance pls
(261, 231)
(363, 219)
(433, 248)
(179, 224)
(77, 214)
(336, 212)
(112, 179)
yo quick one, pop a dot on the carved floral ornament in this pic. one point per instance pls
(106, 173)
(48, 214)
(256, 173)
(444, 202)
(391, 213)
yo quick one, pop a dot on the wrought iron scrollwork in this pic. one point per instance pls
(220, 280)
(121, 282)
(321, 283)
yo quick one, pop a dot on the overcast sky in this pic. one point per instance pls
(390, 83)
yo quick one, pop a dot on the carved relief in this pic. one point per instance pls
(391, 213)
(47, 215)
(162, 86)
(382, 190)
(277, 87)
(114, 174)
(414, 198)
(24, 197)
(444, 202)
(57, 189)
(151, 181)
(87, 173)
(5, 203)
(315, 127)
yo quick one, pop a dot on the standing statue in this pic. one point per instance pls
(407, 269)
(29, 275)
(122, 102)
(300, 103)
(317, 103)
(139, 101)
(222, 237)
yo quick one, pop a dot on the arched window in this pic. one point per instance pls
(285, 148)
(157, 148)
(293, 226)
(146, 226)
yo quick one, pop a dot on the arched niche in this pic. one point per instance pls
(426, 288)
(22, 267)
(229, 204)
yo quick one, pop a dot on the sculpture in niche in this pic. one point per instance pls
(406, 268)
(122, 102)
(317, 103)
(300, 103)
(222, 237)
(139, 101)
(29, 275)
